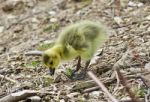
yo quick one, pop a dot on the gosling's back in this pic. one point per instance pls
(85, 37)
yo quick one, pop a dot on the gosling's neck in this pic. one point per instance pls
(66, 53)
(59, 49)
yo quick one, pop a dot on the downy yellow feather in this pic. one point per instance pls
(80, 39)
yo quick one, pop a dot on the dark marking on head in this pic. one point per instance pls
(45, 58)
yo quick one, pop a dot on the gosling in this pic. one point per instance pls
(79, 40)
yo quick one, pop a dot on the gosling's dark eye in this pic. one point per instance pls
(51, 63)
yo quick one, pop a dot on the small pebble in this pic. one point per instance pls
(52, 13)
(1, 29)
(53, 20)
(95, 94)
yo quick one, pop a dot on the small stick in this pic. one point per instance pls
(9, 79)
(58, 95)
(130, 100)
(22, 95)
(34, 53)
(18, 96)
(102, 86)
(124, 83)
(90, 89)
(143, 80)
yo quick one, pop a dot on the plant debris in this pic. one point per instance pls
(28, 27)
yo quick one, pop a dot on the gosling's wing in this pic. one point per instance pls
(90, 31)
(72, 37)
(81, 35)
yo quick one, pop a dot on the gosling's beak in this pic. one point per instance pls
(51, 71)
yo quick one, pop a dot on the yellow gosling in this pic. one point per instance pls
(81, 40)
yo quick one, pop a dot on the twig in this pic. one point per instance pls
(22, 95)
(117, 84)
(117, 7)
(9, 79)
(34, 53)
(15, 97)
(58, 95)
(102, 86)
(143, 80)
(129, 100)
(91, 89)
(132, 23)
(124, 83)
(90, 83)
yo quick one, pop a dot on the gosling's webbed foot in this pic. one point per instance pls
(82, 73)
(77, 76)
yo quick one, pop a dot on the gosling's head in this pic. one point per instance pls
(51, 59)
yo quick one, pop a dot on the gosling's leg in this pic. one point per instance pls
(87, 65)
(82, 74)
(74, 72)
(78, 66)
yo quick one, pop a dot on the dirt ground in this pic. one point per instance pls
(27, 25)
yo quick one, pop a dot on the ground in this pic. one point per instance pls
(27, 25)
